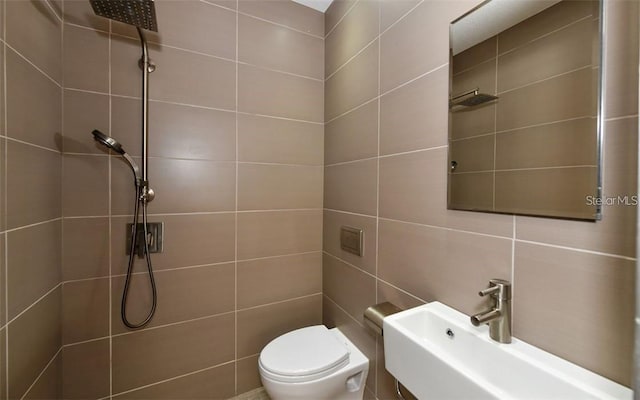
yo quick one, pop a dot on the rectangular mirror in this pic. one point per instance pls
(525, 107)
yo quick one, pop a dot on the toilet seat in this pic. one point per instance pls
(303, 355)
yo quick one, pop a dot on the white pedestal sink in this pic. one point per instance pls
(435, 352)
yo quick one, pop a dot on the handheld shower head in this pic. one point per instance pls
(108, 141)
(114, 145)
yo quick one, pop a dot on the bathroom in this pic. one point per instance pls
(271, 125)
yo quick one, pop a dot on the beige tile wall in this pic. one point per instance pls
(385, 154)
(236, 147)
(30, 199)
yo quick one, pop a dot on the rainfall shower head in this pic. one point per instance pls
(471, 98)
(108, 141)
(140, 13)
(113, 144)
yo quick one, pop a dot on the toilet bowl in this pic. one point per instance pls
(313, 363)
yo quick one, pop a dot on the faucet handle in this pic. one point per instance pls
(499, 288)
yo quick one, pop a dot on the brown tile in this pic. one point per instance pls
(558, 53)
(264, 234)
(49, 384)
(191, 25)
(471, 191)
(336, 12)
(41, 199)
(473, 121)
(559, 144)
(475, 154)
(171, 179)
(564, 97)
(3, 186)
(35, 31)
(620, 94)
(353, 136)
(412, 186)
(263, 139)
(271, 46)
(84, 112)
(549, 20)
(126, 124)
(414, 116)
(481, 76)
(248, 374)
(79, 12)
(395, 296)
(86, 370)
(3, 362)
(176, 131)
(181, 76)
(473, 56)
(85, 248)
(31, 93)
(34, 338)
(428, 263)
(280, 95)
(33, 264)
(86, 59)
(392, 10)
(230, 4)
(557, 192)
(355, 31)
(189, 240)
(85, 185)
(280, 278)
(85, 310)
(190, 132)
(3, 281)
(183, 294)
(353, 85)
(351, 187)
(266, 187)
(152, 355)
(216, 383)
(286, 13)
(616, 232)
(258, 326)
(362, 337)
(213, 181)
(561, 321)
(331, 224)
(402, 55)
(347, 286)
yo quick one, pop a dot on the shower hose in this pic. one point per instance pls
(134, 241)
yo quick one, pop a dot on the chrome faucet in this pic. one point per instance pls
(499, 316)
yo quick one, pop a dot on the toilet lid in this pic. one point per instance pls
(311, 351)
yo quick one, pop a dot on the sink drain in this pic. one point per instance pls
(450, 333)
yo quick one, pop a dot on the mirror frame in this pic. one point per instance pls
(599, 120)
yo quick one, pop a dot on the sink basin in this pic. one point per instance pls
(435, 352)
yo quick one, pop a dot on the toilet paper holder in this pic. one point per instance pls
(374, 315)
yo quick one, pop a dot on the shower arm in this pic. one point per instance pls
(147, 66)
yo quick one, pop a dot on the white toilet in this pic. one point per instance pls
(313, 363)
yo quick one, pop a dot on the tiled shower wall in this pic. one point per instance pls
(236, 145)
(386, 95)
(30, 199)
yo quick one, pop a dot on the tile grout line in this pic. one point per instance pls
(4, 216)
(110, 210)
(235, 240)
(62, 180)
(377, 253)
(326, 35)
(33, 65)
